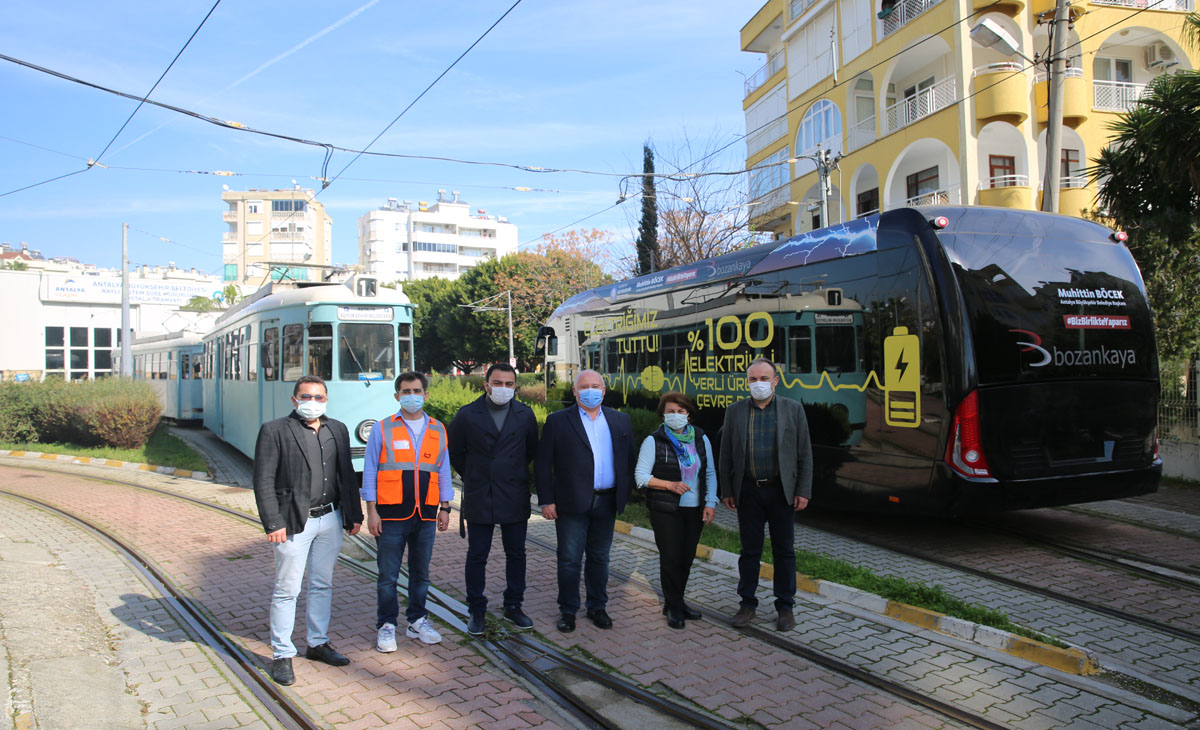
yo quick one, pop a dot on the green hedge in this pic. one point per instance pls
(108, 412)
(447, 395)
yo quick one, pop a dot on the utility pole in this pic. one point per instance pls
(826, 161)
(511, 360)
(1057, 68)
(126, 352)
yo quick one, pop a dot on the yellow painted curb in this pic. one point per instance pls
(704, 552)
(147, 467)
(16, 453)
(766, 571)
(113, 462)
(187, 473)
(1072, 661)
(922, 617)
(623, 527)
(50, 457)
(806, 584)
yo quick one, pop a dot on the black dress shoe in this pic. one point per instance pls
(601, 618)
(326, 653)
(281, 672)
(689, 613)
(476, 626)
(566, 623)
(675, 619)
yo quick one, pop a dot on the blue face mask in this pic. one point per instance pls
(590, 397)
(412, 403)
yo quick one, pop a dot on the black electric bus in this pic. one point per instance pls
(950, 359)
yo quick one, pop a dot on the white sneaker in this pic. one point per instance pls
(423, 629)
(386, 641)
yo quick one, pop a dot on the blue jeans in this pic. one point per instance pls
(317, 546)
(479, 544)
(417, 535)
(756, 507)
(587, 534)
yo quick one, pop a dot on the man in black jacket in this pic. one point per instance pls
(491, 442)
(307, 493)
(584, 473)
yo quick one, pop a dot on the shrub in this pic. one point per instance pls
(534, 393)
(446, 396)
(112, 411)
(16, 414)
(644, 423)
(124, 422)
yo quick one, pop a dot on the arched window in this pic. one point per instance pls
(821, 128)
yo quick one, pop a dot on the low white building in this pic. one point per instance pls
(64, 318)
(403, 242)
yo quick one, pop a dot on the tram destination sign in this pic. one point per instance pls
(365, 314)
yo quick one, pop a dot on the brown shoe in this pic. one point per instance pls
(742, 618)
(786, 621)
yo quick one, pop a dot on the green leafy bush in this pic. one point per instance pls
(108, 412)
(533, 393)
(446, 396)
(644, 423)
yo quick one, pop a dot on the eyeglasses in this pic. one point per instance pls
(310, 396)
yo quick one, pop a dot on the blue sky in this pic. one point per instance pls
(556, 84)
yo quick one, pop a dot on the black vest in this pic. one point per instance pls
(666, 463)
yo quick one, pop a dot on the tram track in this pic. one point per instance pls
(242, 664)
(534, 661)
(1094, 606)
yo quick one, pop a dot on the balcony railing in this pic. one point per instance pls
(1116, 96)
(925, 102)
(864, 214)
(946, 196)
(902, 14)
(998, 67)
(861, 134)
(1068, 73)
(768, 202)
(1005, 181)
(1181, 5)
(229, 216)
(768, 69)
(1074, 181)
(760, 138)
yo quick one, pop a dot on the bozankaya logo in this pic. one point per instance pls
(1069, 358)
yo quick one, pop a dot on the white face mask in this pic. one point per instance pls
(761, 390)
(675, 421)
(310, 410)
(501, 396)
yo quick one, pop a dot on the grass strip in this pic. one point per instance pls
(161, 449)
(825, 567)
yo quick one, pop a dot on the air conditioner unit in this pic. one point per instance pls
(1160, 54)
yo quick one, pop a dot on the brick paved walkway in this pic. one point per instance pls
(771, 687)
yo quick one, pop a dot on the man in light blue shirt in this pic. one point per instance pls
(584, 474)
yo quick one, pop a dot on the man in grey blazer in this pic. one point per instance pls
(307, 493)
(765, 473)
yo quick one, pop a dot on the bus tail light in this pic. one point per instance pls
(964, 451)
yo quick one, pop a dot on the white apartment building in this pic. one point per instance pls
(402, 242)
(275, 234)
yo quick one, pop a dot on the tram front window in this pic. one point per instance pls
(835, 349)
(320, 350)
(365, 352)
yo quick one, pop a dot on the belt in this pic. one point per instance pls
(772, 482)
(610, 490)
(322, 510)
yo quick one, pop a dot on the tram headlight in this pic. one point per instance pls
(363, 431)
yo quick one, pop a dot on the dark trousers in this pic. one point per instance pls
(587, 534)
(417, 535)
(479, 545)
(676, 534)
(758, 507)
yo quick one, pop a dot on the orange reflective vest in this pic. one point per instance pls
(407, 480)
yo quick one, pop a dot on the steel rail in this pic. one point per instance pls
(1117, 613)
(821, 659)
(243, 665)
(506, 647)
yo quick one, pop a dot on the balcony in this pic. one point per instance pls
(1116, 96)
(229, 216)
(773, 66)
(902, 14)
(796, 8)
(945, 196)
(861, 134)
(922, 104)
(1075, 97)
(1184, 6)
(1008, 7)
(228, 237)
(1001, 92)
(1074, 198)
(1007, 191)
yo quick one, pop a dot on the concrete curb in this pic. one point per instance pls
(1071, 660)
(97, 461)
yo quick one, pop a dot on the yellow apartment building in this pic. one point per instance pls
(273, 235)
(930, 103)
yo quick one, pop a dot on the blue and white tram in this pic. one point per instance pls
(171, 363)
(356, 335)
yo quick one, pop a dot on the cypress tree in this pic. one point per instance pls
(647, 240)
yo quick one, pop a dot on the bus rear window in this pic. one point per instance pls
(1055, 303)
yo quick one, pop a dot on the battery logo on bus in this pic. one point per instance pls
(902, 379)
